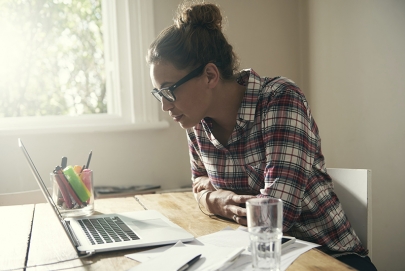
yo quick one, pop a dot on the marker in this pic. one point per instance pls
(64, 162)
(62, 178)
(63, 189)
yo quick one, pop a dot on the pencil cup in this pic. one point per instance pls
(73, 192)
(265, 225)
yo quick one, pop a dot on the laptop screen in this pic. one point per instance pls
(40, 182)
(48, 197)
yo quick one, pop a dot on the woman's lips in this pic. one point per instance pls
(177, 118)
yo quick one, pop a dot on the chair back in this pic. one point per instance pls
(353, 188)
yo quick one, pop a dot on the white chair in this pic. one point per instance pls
(353, 188)
(25, 197)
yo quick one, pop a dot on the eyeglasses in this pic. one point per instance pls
(167, 92)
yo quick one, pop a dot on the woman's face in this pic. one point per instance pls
(192, 97)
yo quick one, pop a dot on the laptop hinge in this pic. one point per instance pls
(71, 234)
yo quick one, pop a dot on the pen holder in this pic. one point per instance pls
(73, 192)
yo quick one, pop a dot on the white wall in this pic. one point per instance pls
(354, 52)
(348, 57)
(264, 33)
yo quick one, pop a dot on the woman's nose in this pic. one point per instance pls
(166, 105)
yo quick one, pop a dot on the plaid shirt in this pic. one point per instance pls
(275, 151)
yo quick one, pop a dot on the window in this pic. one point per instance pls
(51, 58)
(108, 92)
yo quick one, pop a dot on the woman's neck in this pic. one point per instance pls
(226, 102)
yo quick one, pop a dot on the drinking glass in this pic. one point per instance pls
(265, 225)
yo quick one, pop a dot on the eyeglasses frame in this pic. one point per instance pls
(194, 73)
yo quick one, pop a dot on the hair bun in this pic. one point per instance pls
(201, 15)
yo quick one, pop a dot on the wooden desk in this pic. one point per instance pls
(47, 243)
(182, 209)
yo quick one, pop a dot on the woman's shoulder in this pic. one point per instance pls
(281, 88)
(280, 84)
(251, 79)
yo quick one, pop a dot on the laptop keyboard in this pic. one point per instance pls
(107, 230)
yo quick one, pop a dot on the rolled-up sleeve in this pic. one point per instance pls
(197, 166)
(290, 150)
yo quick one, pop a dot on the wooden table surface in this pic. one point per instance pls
(182, 209)
(30, 235)
(15, 228)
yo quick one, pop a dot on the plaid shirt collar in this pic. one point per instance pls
(253, 83)
(247, 110)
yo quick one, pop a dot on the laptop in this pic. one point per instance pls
(110, 232)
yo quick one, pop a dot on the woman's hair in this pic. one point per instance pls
(195, 39)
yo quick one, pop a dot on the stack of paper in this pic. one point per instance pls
(223, 250)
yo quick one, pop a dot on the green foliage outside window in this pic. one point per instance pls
(51, 58)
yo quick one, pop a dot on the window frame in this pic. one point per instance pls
(128, 32)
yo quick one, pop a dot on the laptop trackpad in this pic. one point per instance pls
(150, 224)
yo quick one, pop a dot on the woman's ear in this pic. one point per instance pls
(212, 74)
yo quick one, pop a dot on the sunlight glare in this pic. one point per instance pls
(11, 49)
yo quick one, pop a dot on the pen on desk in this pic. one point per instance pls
(189, 263)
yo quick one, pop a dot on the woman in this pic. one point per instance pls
(248, 136)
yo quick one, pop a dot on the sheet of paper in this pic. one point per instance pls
(146, 255)
(212, 257)
(288, 256)
(172, 259)
(227, 238)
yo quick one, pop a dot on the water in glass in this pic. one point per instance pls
(265, 249)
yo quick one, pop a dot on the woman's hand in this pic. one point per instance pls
(202, 183)
(227, 204)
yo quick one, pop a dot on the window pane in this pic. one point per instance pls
(51, 58)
